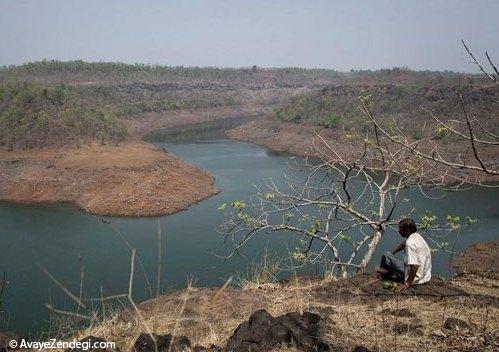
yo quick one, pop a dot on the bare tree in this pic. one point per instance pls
(351, 200)
(342, 201)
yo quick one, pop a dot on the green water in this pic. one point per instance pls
(63, 239)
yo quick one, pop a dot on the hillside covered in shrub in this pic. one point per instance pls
(336, 106)
(54, 103)
(33, 116)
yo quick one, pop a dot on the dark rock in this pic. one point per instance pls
(262, 332)
(454, 323)
(360, 349)
(414, 329)
(90, 341)
(145, 343)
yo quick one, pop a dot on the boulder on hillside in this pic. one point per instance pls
(145, 343)
(262, 332)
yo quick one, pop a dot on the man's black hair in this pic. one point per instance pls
(408, 226)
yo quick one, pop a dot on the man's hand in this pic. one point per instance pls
(413, 269)
(404, 287)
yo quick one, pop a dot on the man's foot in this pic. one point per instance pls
(381, 272)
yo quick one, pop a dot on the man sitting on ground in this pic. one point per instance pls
(417, 267)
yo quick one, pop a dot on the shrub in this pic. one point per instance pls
(331, 121)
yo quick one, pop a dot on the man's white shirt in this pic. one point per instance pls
(418, 253)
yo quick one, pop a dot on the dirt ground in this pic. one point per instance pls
(477, 260)
(128, 179)
(461, 314)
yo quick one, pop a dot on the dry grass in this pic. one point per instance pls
(210, 316)
(351, 316)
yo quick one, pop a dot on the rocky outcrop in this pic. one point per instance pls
(262, 332)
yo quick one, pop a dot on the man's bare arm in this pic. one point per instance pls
(398, 248)
(413, 269)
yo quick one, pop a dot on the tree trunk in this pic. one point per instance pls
(370, 251)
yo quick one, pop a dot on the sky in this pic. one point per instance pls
(341, 35)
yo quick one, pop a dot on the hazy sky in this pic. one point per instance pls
(331, 34)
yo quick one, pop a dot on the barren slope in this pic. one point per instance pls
(130, 179)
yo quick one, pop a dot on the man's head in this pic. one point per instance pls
(407, 227)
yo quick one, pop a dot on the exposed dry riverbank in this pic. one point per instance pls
(131, 178)
(288, 137)
(128, 179)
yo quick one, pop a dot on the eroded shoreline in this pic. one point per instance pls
(303, 140)
(129, 179)
(132, 178)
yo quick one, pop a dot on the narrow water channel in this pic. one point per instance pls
(63, 239)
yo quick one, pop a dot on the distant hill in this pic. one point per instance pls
(52, 71)
(54, 103)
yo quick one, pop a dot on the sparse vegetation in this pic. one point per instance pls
(41, 112)
(336, 106)
(350, 314)
(54, 103)
(34, 116)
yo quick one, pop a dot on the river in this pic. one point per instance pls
(63, 240)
